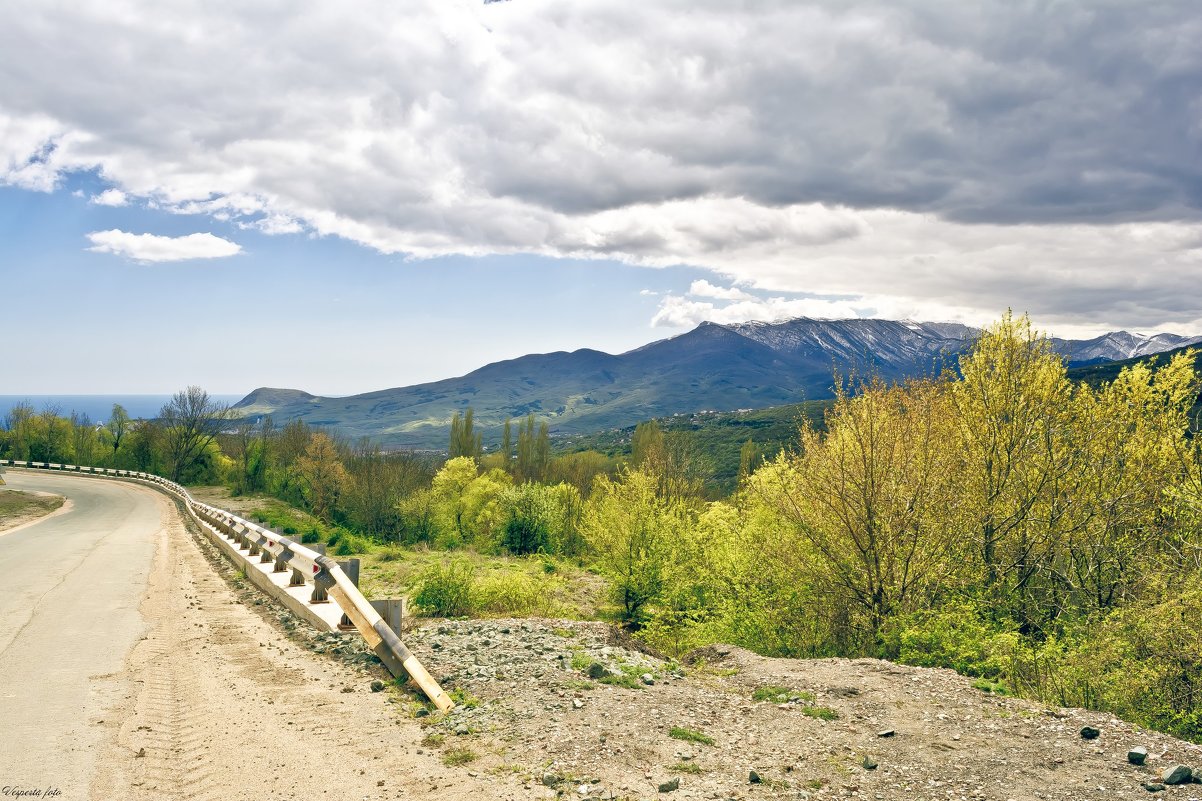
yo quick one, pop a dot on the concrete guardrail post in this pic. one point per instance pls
(351, 568)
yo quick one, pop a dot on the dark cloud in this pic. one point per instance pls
(774, 141)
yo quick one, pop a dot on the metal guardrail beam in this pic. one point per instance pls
(306, 564)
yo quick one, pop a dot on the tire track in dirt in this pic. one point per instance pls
(226, 707)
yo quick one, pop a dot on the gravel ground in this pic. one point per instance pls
(553, 708)
(840, 728)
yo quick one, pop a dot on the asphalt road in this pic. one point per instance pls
(135, 665)
(70, 589)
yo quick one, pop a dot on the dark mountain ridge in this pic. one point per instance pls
(713, 367)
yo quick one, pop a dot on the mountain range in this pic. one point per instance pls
(713, 367)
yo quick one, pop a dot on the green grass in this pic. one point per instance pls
(624, 680)
(463, 698)
(15, 504)
(690, 736)
(504, 586)
(453, 757)
(987, 686)
(686, 767)
(820, 712)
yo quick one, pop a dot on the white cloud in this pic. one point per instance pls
(28, 145)
(704, 289)
(677, 312)
(154, 248)
(914, 155)
(110, 197)
(272, 224)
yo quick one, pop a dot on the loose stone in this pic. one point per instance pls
(1177, 774)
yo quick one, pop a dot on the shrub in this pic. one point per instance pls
(956, 636)
(512, 594)
(529, 525)
(445, 590)
(1142, 663)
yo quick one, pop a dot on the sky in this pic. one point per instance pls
(348, 197)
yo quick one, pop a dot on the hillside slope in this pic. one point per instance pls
(713, 367)
(840, 728)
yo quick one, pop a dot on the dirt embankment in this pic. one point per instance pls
(20, 508)
(236, 700)
(832, 728)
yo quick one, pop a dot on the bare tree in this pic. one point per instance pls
(190, 421)
(53, 433)
(83, 437)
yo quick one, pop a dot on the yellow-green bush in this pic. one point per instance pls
(954, 635)
(513, 593)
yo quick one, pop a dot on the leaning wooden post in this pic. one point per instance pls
(382, 640)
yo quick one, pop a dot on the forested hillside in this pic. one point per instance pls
(1036, 532)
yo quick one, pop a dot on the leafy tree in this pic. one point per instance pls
(750, 457)
(52, 436)
(448, 490)
(531, 519)
(507, 445)
(1013, 409)
(580, 469)
(465, 441)
(19, 425)
(632, 528)
(377, 482)
(417, 518)
(875, 500)
(1130, 433)
(144, 448)
(286, 448)
(534, 451)
(322, 475)
(646, 444)
(118, 425)
(681, 471)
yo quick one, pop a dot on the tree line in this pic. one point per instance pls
(180, 443)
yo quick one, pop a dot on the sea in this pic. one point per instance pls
(98, 407)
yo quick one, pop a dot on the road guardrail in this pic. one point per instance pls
(308, 567)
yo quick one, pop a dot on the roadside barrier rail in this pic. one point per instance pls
(308, 567)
